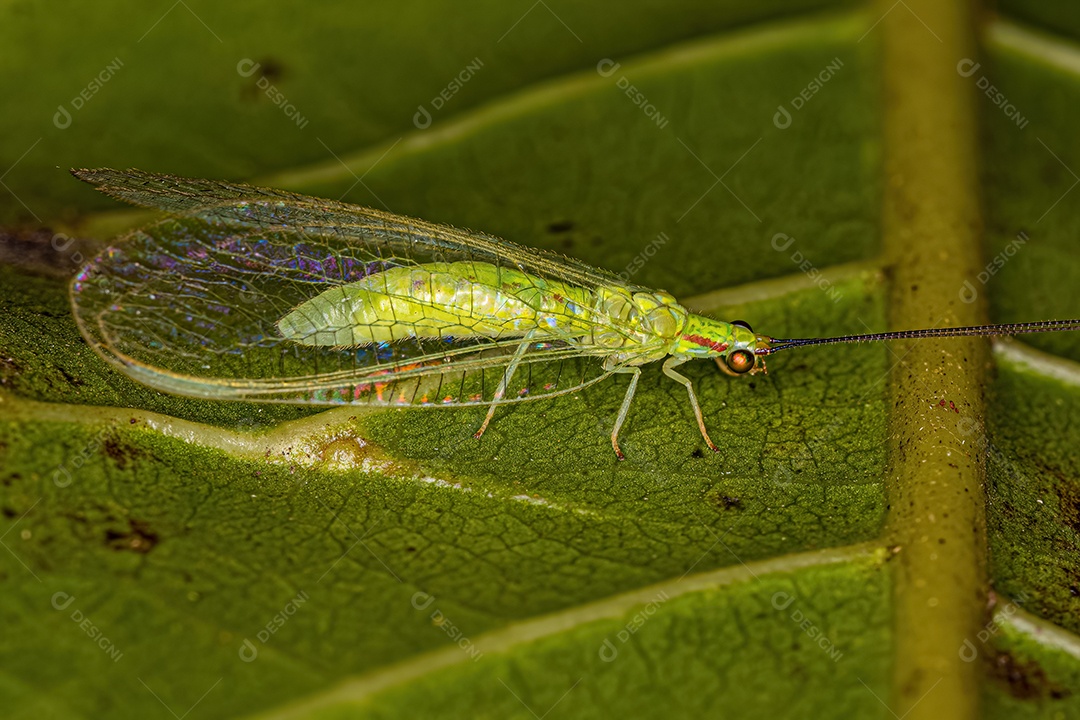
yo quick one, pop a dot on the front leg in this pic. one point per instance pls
(669, 369)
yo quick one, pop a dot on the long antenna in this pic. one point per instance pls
(776, 345)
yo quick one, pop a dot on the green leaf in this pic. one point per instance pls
(886, 529)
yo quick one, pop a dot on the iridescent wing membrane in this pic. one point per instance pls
(190, 304)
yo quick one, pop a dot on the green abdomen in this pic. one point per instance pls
(458, 300)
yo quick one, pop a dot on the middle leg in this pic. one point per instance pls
(625, 408)
(500, 390)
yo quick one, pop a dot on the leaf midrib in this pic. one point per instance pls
(932, 235)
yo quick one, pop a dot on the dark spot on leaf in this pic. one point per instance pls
(8, 512)
(1024, 679)
(561, 226)
(265, 72)
(119, 452)
(724, 502)
(138, 538)
(730, 503)
(697, 453)
(271, 69)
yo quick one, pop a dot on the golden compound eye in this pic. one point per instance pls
(740, 361)
(742, 324)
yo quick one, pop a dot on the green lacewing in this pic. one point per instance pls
(246, 293)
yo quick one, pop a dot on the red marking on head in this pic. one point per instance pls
(714, 345)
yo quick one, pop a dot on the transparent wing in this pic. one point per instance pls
(235, 203)
(189, 305)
